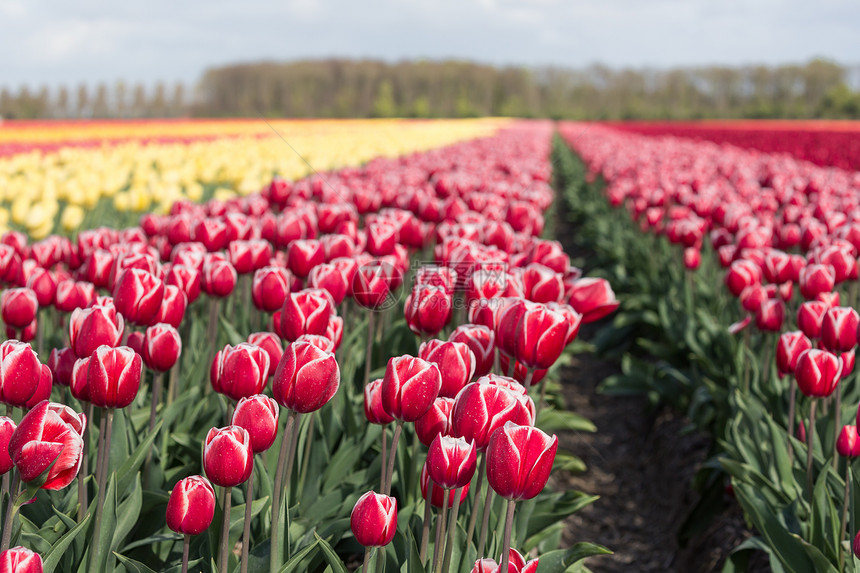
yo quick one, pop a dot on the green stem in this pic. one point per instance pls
(810, 435)
(485, 522)
(452, 525)
(425, 526)
(225, 532)
(83, 474)
(186, 545)
(506, 548)
(306, 458)
(473, 516)
(11, 510)
(792, 402)
(104, 467)
(837, 423)
(246, 532)
(845, 501)
(367, 553)
(368, 356)
(277, 489)
(441, 523)
(384, 467)
(153, 408)
(389, 473)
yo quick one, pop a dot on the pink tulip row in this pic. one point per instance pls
(303, 251)
(778, 226)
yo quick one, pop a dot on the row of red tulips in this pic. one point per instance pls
(344, 242)
(773, 224)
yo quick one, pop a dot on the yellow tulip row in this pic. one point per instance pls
(54, 191)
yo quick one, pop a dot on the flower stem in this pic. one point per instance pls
(186, 545)
(846, 500)
(103, 472)
(425, 527)
(810, 435)
(11, 510)
(485, 522)
(367, 553)
(384, 466)
(792, 401)
(441, 523)
(246, 532)
(473, 516)
(389, 473)
(837, 423)
(83, 474)
(368, 357)
(153, 407)
(452, 525)
(306, 458)
(225, 532)
(275, 558)
(506, 548)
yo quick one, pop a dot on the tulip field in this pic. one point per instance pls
(240, 346)
(278, 367)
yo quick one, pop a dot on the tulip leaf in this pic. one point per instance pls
(128, 513)
(233, 335)
(330, 556)
(559, 560)
(107, 529)
(294, 561)
(132, 566)
(52, 558)
(127, 472)
(555, 420)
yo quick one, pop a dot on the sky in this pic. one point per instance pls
(54, 42)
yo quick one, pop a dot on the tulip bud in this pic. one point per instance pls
(240, 371)
(848, 442)
(259, 416)
(162, 347)
(372, 283)
(191, 506)
(519, 461)
(541, 337)
(593, 298)
(43, 390)
(788, 349)
(428, 309)
(770, 315)
(7, 428)
(186, 279)
(78, 382)
(248, 256)
(455, 361)
(741, 274)
(815, 279)
(451, 462)
(542, 284)
(48, 434)
(271, 343)
(227, 456)
(410, 387)
(839, 329)
(218, 278)
(269, 288)
(138, 295)
(303, 255)
(436, 421)
(73, 294)
(173, 305)
(44, 284)
(516, 564)
(373, 409)
(18, 307)
(817, 372)
(306, 312)
(482, 407)
(20, 560)
(135, 341)
(810, 316)
(508, 318)
(331, 278)
(306, 378)
(20, 373)
(481, 341)
(113, 376)
(374, 519)
(856, 545)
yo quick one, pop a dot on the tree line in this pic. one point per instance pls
(425, 89)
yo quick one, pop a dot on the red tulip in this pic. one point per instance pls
(451, 462)
(428, 309)
(741, 274)
(410, 387)
(303, 255)
(259, 416)
(78, 384)
(481, 341)
(173, 305)
(162, 347)
(73, 294)
(306, 378)
(848, 442)
(810, 316)
(138, 295)
(7, 428)
(516, 564)
(113, 376)
(212, 233)
(306, 312)
(542, 284)
(19, 307)
(49, 434)
(270, 287)
(331, 278)
(373, 409)
(186, 279)
(240, 371)
(271, 343)
(788, 348)
(20, 373)
(817, 372)
(374, 519)
(815, 279)
(372, 283)
(455, 361)
(20, 560)
(135, 341)
(218, 278)
(248, 256)
(519, 461)
(839, 329)
(43, 390)
(508, 318)
(44, 284)
(191, 506)
(770, 315)
(482, 407)
(436, 421)
(541, 337)
(227, 456)
(856, 545)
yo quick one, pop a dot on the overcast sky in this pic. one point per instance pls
(53, 41)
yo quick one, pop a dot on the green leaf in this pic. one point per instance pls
(132, 566)
(330, 556)
(291, 566)
(127, 472)
(558, 561)
(556, 420)
(52, 558)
